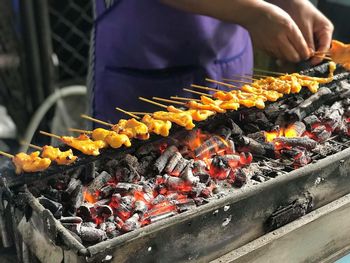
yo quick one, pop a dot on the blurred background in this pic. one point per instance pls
(44, 58)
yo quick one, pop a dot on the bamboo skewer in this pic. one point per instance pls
(6, 154)
(238, 81)
(261, 75)
(31, 145)
(128, 113)
(169, 101)
(96, 120)
(153, 102)
(80, 131)
(141, 113)
(221, 83)
(50, 135)
(197, 92)
(183, 98)
(243, 77)
(323, 57)
(203, 88)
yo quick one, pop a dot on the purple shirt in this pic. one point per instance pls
(145, 48)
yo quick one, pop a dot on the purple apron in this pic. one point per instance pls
(145, 48)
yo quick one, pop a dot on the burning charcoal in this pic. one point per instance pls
(199, 167)
(210, 147)
(310, 104)
(84, 211)
(72, 223)
(321, 133)
(54, 207)
(311, 120)
(250, 145)
(299, 156)
(103, 226)
(177, 184)
(188, 176)
(104, 211)
(162, 161)
(304, 142)
(172, 162)
(199, 188)
(219, 168)
(158, 199)
(89, 224)
(179, 167)
(132, 223)
(73, 184)
(208, 191)
(124, 188)
(200, 201)
(140, 207)
(91, 234)
(295, 129)
(257, 136)
(111, 166)
(156, 218)
(240, 178)
(236, 131)
(106, 191)
(102, 179)
(224, 132)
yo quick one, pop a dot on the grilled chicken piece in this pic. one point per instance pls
(112, 138)
(197, 115)
(84, 144)
(340, 53)
(158, 127)
(56, 155)
(132, 128)
(180, 118)
(30, 162)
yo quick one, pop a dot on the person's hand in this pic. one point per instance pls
(315, 27)
(274, 31)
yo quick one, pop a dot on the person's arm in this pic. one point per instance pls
(315, 27)
(271, 28)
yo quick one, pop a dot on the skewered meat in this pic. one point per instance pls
(112, 138)
(30, 162)
(180, 118)
(132, 128)
(197, 115)
(84, 144)
(340, 53)
(158, 127)
(56, 155)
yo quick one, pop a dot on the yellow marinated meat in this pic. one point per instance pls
(158, 127)
(197, 115)
(56, 155)
(112, 138)
(100, 134)
(30, 162)
(229, 105)
(180, 118)
(200, 106)
(84, 144)
(132, 128)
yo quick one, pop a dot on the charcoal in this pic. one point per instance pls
(162, 161)
(172, 162)
(104, 211)
(251, 145)
(89, 224)
(140, 207)
(54, 207)
(311, 120)
(296, 129)
(346, 102)
(73, 184)
(102, 179)
(76, 236)
(123, 188)
(240, 178)
(111, 166)
(73, 227)
(199, 188)
(185, 205)
(127, 170)
(204, 178)
(224, 132)
(103, 226)
(200, 201)
(347, 111)
(77, 197)
(71, 219)
(304, 142)
(251, 127)
(84, 211)
(156, 218)
(101, 202)
(113, 234)
(210, 147)
(126, 202)
(258, 118)
(321, 133)
(91, 234)
(310, 104)
(180, 166)
(174, 183)
(106, 191)
(188, 176)
(199, 167)
(236, 131)
(158, 199)
(110, 226)
(257, 136)
(132, 223)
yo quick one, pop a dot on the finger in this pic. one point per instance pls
(323, 39)
(309, 38)
(298, 41)
(288, 51)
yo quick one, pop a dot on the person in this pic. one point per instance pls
(158, 47)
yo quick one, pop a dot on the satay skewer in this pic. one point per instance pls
(50, 135)
(140, 113)
(198, 92)
(79, 130)
(203, 87)
(31, 145)
(169, 101)
(244, 77)
(127, 113)
(153, 102)
(96, 120)
(183, 98)
(221, 83)
(269, 72)
(6, 154)
(323, 57)
(238, 81)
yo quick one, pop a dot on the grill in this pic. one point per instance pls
(206, 213)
